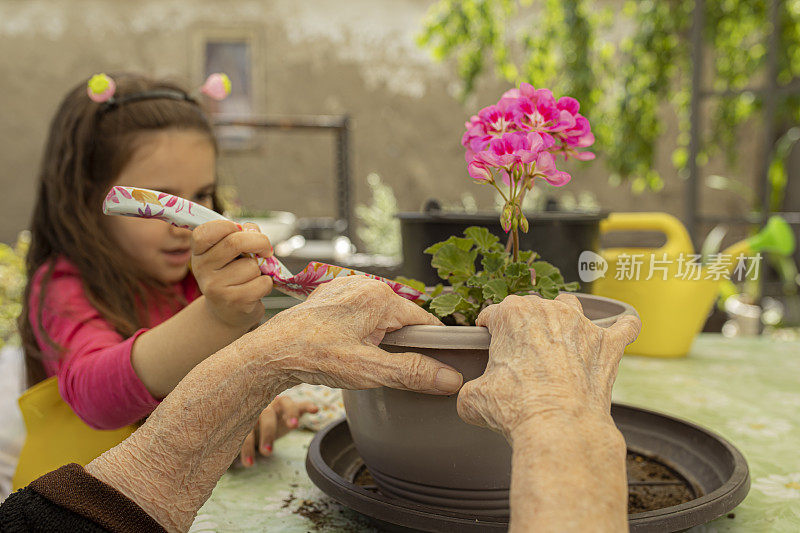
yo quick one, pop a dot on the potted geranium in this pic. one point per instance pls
(415, 445)
(558, 235)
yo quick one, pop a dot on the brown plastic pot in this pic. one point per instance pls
(417, 447)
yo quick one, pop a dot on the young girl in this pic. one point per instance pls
(113, 316)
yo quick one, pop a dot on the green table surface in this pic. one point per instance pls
(745, 389)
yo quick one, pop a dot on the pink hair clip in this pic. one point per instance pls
(100, 88)
(217, 86)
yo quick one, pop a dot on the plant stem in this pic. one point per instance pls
(522, 197)
(494, 184)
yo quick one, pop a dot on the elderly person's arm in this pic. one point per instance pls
(547, 388)
(169, 466)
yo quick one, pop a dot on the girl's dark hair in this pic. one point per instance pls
(88, 146)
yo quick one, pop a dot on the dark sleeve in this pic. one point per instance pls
(69, 499)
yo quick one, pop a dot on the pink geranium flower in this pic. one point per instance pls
(518, 139)
(546, 169)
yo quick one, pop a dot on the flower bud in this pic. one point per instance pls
(505, 217)
(523, 223)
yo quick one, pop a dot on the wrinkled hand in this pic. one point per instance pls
(279, 418)
(233, 285)
(332, 339)
(545, 356)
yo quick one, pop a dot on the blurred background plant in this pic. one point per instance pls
(776, 313)
(229, 202)
(623, 85)
(12, 286)
(380, 228)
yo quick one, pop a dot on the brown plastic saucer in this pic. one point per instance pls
(713, 470)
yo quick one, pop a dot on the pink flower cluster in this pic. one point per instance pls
(521, 135)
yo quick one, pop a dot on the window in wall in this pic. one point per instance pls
(235, 52)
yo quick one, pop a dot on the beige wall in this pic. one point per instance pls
(315, 57)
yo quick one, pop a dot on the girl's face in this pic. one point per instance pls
(179, 162)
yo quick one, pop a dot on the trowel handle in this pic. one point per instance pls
(678, 241)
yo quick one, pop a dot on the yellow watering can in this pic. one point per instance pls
(670, 289)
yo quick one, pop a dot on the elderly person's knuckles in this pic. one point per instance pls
(626, 329)
(472, 403)
(361, 285)
(507, 310)
(411, 370)
(569, 299)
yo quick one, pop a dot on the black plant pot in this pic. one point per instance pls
(559, 238)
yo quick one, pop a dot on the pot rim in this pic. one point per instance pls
(478, 337)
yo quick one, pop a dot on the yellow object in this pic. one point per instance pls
(56, 435)
(672, 304)
(226, 82)
(99, 83)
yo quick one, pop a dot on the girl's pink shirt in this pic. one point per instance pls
(95, 374)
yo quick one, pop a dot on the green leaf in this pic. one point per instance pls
(484, 240)
(460, 242)
(495, 290)
(478, 280)
(413, 283)
(547, 288)
(471, 294)
(544, 269)
(493, 262)
(447, 304)
(527, 256)
(437, 290)
(454, 263)
(518, 278)
(572, 286)
(518, 270)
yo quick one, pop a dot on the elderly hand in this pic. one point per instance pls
(332, 339)
(170, 465)
(547, 388)
(545, 356)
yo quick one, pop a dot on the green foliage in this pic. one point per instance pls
(623, 87)
(380, 229)
(471, 289)
(12, 286)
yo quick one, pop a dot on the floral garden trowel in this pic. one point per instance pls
(182, 213)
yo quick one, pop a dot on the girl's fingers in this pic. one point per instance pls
(238, 272)
(205, 236)
(267, 429)
(249, 226)
(231, 246)
(291, 412)
(248, 453)
(249, 292)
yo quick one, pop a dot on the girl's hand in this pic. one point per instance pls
(232, 284)
(278, 419)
